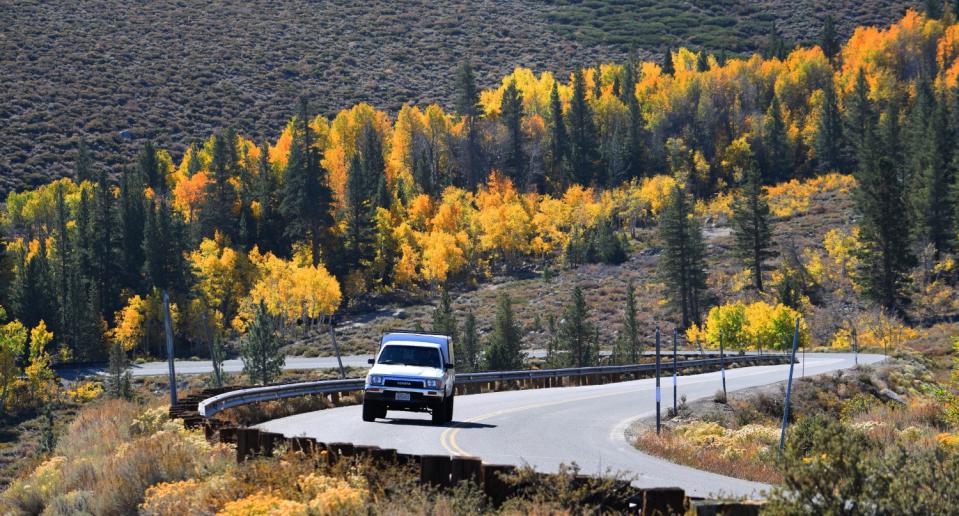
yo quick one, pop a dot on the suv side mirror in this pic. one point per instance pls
(450, 366)
(371, 361)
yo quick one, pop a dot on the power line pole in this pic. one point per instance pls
(675, 407)
(722, 363)
(658, 393)
(789, 388)
(168, 329)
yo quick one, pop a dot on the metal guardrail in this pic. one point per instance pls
(211, 406)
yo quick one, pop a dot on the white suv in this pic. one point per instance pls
(412, 372)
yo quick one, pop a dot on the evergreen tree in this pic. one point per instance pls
(469, 107)
(682, 263)
(750, 223)
(884, 251)
(630, 342)
(269, 226)
(366, 170)
(511, 114)
(668, 67)
(775, 145)
(932, 199)
(444, 321)
(33, 282)
(132, 217)
(582, 134)
(828, 142)
(64, 243)
(636, 132)
(104, 245)
(503, 351)
(149, 167)
(576, 333)
(260, 348)
(83, 168)
(119, 380)
(163, 246)
(221, 196)
(467, 100)
(859, 116)
(702, 61)
(558, 141)
(933, 9)
(307, 201)
(829, 40)
(470, 343)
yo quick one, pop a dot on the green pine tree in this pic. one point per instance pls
(119, 380)
(751, 228)
(829, 40)
(682, 264)
(576, 333)
(83, 167)
(469, 107)
(503, 351)
(932, 199)
(133, 208)
(858, 117)
(511, 115)
(558, 142)
(444, 320)
(307, 200)
(828, 142)
(630, 343)
(775, 145)
(582, 134)
(260, 348)
(884, 252)
(221, 196)
(471, 344)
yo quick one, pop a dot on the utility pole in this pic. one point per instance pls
(168, 327)
(675, 407)
(336, 349)
(722, 363)
(658, 393)
(789, 388)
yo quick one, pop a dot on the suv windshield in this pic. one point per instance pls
(410, 355)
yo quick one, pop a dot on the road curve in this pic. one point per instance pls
(547, 427)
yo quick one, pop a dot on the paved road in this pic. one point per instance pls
(547, 427)
(235, 365)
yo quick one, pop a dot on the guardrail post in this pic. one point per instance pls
(228, 434)
(466, 468)
(664, 500)
(435, 470)
(497, 489)
(247, 443)
(335, 398)
(384, 455)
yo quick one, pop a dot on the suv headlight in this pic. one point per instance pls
(376, 380)
(434, 384)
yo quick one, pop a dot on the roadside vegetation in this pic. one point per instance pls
(118, 457)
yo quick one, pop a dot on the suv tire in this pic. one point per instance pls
(371, 411)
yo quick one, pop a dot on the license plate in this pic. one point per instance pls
(402, 396)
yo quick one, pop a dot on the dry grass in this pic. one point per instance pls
(750, 460)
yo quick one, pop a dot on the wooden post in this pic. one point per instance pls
(435, 470)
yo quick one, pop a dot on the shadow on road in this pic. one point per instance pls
(427, 422)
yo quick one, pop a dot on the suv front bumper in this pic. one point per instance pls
(420, 399)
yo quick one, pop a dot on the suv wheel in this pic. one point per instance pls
(371, 411)
(449, 409)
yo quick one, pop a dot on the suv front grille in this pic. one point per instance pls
(414, 384)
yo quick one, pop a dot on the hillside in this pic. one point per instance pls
(118, 73)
